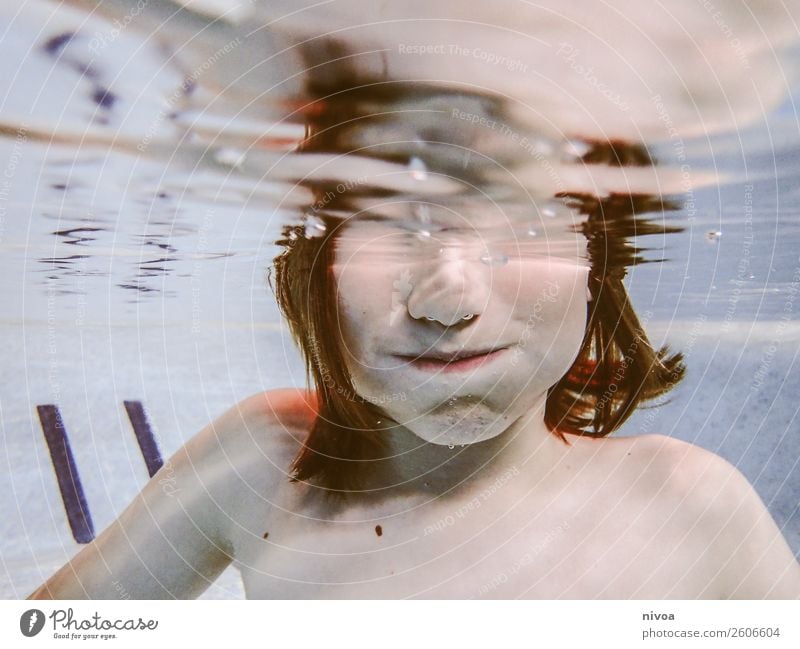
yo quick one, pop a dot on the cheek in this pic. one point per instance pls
(350, 313)
(363, 298)
(538, 289)
(362, 286)
(554, 312)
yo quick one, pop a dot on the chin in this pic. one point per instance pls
(459, 426)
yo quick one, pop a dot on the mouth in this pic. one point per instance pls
(456, 362)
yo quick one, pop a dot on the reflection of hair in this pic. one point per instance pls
(615, 370)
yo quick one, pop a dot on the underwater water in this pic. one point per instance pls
(150, 161)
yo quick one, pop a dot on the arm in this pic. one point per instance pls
(172, 541)
(168, 543)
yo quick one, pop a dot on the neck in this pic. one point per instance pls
(526, 446)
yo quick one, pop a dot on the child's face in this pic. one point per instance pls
(404, 310)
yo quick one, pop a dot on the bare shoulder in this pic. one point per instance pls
(742, 546)
(688, 469)
(707, 483)
(680, 465)
(654, 462)
(247, 450)
(266, 429)
(274, 412)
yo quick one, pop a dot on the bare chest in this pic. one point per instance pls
(498, 545)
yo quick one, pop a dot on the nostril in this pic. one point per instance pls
(465, 321)
(457, 321)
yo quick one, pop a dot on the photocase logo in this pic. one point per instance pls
(31, 622)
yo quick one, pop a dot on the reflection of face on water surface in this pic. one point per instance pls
(469, 342)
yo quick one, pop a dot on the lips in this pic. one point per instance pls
(459, 361)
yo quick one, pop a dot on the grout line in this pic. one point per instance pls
(69, 482)
(144, 436)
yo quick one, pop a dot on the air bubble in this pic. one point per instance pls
(314, 226)
(532, 231)
(418, 169)
(421, 212)
(230, 157)
(549, 212)
(494, 259)
(451, 446)
(553, 208)
(575, 149)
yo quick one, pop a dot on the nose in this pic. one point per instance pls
(449, 290)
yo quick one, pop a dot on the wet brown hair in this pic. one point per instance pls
(616, 369)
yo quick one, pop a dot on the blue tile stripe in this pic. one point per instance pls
(69, 482)
(144, 436)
